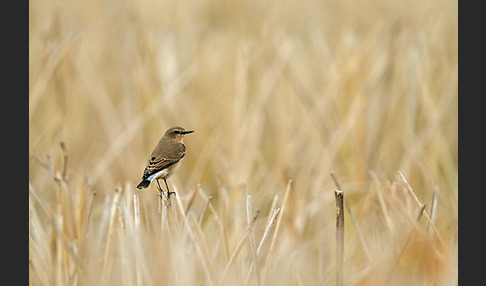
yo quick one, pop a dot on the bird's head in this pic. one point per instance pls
(177, 133)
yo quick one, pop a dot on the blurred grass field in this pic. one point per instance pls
(280, 94)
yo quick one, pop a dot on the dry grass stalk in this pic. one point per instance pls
(203, 213)
(223, 208)
(203, 255)
(109, 235)
(383, 205)
(238, 248)
(268, 229)
(433, 209)
(422, 207)
(216, 216)
(136, 221)
(279, 219)
(253, 249)
(86, 218)
(354, 221)
(339, 195)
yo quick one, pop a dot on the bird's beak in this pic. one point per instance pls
(187, 132)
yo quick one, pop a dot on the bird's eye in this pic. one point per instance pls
(177, 132)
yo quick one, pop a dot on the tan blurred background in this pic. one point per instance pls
(275, 90)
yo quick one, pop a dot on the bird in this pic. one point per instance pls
(165, 159)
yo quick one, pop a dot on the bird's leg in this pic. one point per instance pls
(168, 191)
(160, 189)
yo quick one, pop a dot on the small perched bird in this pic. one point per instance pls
(165, 159)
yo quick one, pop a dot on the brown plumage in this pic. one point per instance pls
(165, 158)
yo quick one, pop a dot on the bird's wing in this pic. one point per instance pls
(162, 161)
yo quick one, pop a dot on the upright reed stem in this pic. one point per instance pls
(339, 236)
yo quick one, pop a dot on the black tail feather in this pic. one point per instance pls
(143, 184)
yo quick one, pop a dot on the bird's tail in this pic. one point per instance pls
(143, 184)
